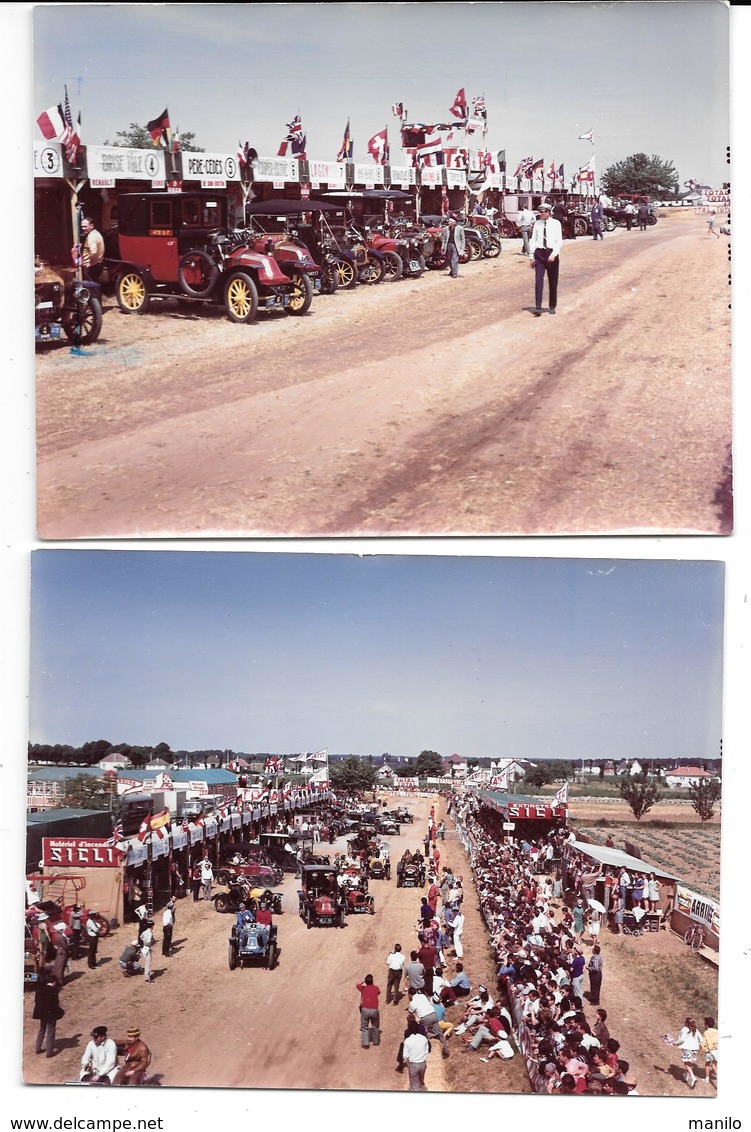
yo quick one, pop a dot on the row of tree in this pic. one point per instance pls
(642, 793)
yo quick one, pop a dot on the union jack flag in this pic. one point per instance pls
(523, 166)
(295, 140)
(117, 837)
(479, 110)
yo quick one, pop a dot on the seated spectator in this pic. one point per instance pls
(459, 987)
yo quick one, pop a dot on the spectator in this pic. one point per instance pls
(47, 1012)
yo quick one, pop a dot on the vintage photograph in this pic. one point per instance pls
(395, 823)
(296, 267)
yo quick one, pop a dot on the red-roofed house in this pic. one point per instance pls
(687, 776)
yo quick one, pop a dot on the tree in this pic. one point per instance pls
(641, 174)
(704, 795)
(547, 770)
(85, 792)
(352, 775)
(429, 765)
(138, 137)
(640, 793)
(408, 770)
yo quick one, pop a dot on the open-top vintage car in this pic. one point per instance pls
(252, 943)
(379, 868)
(266, 876)
(245, 891)
(65, 310)
(410, 871)
(320, 901)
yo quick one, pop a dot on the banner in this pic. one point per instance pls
(698, 908)
(80, 853)
(122, 164)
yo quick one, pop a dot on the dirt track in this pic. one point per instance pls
(427, 406)
(298, 1027)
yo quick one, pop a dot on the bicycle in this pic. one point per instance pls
(695, 937)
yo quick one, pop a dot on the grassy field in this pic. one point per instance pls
(689, 850)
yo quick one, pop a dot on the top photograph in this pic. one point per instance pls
(373, 270)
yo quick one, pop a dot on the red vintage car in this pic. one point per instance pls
(181, 245)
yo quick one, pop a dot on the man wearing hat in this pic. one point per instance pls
(99, 1061)
(136, 1060)
(545, 248)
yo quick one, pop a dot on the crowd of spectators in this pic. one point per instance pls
(540, 947)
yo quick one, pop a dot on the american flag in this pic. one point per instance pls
(69, 137)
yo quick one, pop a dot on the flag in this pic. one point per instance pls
(51, 122)
(320, 756)
(295, 141)
(479, 109)
(346, 151)
(536, 167)
(551, 171)
(144, 829)
(589, 136)
(159, 128)
(561, 797)
(501, 160)
(117, 839)
(320, 779)
(523, 166)
(459, 107)
(397, 109)
(430, 154)
(559, 174)
(69, 137)
(413, 135)
(242, 155)
(185, 825)
(587, 172)
(378, 147)
(160, 820)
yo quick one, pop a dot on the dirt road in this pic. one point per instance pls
(427, 406)
(297, 1027)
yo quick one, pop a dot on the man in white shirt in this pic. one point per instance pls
(421, 1008)
(526, 222)
(168, 924)
(415, 1055)
(99, 1061)
(545, 248)
(458, 934)
(395, 963)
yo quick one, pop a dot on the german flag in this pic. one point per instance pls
(160, 131)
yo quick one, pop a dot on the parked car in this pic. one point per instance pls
(264, 875)
(65, 311)
(180, 245)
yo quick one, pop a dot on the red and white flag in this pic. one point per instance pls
(459, 107)
(430, 154)
(51, 122)
(589, 136)
(378, 146)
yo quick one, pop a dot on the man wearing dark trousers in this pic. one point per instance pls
(545, 248)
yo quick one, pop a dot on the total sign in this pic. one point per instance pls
(80, 852)
(210, 167)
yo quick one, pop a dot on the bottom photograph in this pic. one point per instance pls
(387, 823)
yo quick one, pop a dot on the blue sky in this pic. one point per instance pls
(645, 77)
(286, 652)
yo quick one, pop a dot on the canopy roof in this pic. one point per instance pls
(368, 194)
(289, 207)
(618, 859)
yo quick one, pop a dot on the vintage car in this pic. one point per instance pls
(246, 892)
(267, 876)
(389, 825)
(274, 847)
(65, 310)
(356, 901)
(181, 245)
(379, 868)
(320, 901)
(253, 943)
(410, 871)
